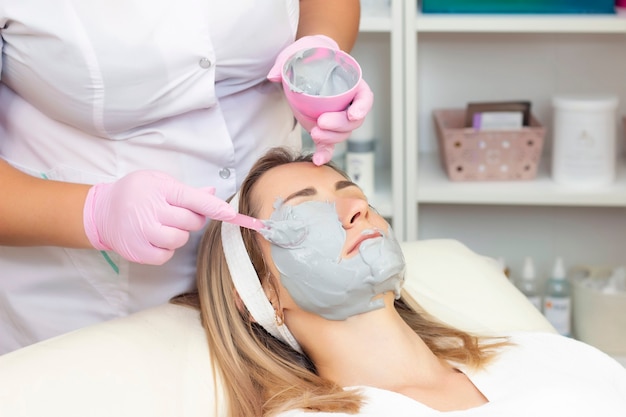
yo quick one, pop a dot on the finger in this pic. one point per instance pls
(337, 121)
(323, 154)
(152, 255)
(328, 137)
(166, 237)
(201, 202)
(181, 218)
(362, 102)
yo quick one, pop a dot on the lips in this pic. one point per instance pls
(363, 237)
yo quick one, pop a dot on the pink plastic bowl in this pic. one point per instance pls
(312, 105)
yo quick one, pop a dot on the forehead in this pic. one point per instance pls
(283, 180)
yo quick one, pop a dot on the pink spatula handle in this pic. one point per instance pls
(247, 222)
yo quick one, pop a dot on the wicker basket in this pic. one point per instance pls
(489, 155)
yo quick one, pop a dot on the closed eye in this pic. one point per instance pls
(311, 191)
(305, 192)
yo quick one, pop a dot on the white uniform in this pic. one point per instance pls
(542, 375)
(94, 89)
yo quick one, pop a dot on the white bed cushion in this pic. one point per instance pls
(155, 363)
(467, 290)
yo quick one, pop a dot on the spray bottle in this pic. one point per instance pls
(557, 303)
(528, 285)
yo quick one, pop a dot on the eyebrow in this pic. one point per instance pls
(309, 191)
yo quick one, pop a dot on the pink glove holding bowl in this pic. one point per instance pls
(325, 90)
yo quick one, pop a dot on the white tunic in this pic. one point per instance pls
(91, 90)
(542, 375)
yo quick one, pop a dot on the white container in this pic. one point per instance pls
(584, 142)
(360, 156)
(599, 318)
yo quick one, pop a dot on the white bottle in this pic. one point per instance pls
(360, 157)
(557, 304)
(528, 285)
(339, 155)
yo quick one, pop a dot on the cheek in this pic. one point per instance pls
(286, 301)
(266, 251)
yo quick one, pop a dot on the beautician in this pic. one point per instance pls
(123, 125)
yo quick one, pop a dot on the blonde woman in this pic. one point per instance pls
(308, 319)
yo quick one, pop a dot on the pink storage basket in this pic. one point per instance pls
(490, 155)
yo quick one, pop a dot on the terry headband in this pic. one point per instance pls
(247, 282)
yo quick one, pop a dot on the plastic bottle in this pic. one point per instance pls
(527, 283)
(360, 157)
(557, 304)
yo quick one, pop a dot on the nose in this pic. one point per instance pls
(351, 210)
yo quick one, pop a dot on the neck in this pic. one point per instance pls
(375, 349)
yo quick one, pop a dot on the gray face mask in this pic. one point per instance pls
(307, 240)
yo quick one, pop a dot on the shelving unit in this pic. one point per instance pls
(380, 51)
(402, 120)
(418, 62)
(425, 181)
(453, 59)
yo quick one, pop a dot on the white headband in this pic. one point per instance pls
(247, 282)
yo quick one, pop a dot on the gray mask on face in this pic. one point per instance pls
(313, 272)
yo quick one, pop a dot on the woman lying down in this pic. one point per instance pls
(309, 319)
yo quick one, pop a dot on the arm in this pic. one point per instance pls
(36, 211)
(144, 216)
(337, 19)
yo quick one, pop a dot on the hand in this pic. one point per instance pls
(335, 127)
(147, 215)
(330, 128)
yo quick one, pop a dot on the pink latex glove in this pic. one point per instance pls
(147, 215)
(332, 127)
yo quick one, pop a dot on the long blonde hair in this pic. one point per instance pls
(262, 376)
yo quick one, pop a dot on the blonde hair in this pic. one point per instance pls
(261, 375)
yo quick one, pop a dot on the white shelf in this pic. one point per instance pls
(521, 23)
(434, 187)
